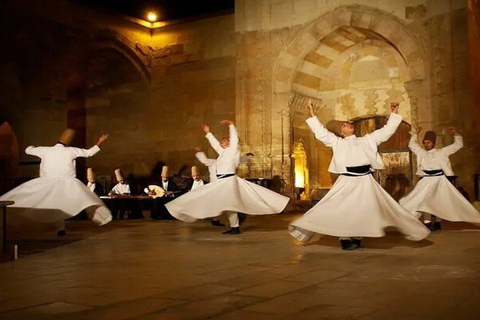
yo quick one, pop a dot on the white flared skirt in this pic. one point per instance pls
(437, 196)
(357, 207)
(53, 199)
(227, 194)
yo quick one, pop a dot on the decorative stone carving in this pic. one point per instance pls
(417, 12)
(371, 100)
(153, 52)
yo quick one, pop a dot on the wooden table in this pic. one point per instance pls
(133, 205)
(3, 205)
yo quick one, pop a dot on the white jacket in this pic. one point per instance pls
(228, 158)
(59, 160)
(435, 159)
(353, 150)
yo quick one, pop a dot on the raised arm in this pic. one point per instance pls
(413, 143)
(34, 151)
(211, 139)
(78, 152)
(321, 133)
(202, 157)
(233, 134)
(457, 143)
(383, 134)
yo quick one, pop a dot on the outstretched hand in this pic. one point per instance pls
(419, 129)
(102, 139)
(394, 107)
(206, 128)
(310, 107)
(453, 130)
(226, 122)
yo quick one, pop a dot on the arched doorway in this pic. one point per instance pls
(352, 68)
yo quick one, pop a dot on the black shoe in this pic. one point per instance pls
(232, 231)
(61, 233)
(217, 223)
(357, 242)
(241, 217)
(436, 226)
(345, 244)
(350, 244)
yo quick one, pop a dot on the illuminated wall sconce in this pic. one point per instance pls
(152, 17)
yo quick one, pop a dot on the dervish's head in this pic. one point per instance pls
(225, 142)
(347, 129)
(429, 140)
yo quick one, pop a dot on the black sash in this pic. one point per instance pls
(225, 175)
(358, 171)
(433, 173)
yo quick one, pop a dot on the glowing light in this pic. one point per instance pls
(301, 170)
(152, 17)
(299, 177)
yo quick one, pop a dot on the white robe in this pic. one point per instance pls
(91, 186)
(56, 195)
(436, 195)
(435, 159)
(211, 164)
(356, 206)
(227, 194)
(197, 184)
(228, 158)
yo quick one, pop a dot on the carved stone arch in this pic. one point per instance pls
(126, 48)
(375, 23)
(325, 41)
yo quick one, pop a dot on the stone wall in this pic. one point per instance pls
(354, 57)
(150, 89)
(159, 121)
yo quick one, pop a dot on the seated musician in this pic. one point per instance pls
(171, 191)
(121, 187)
(92, 183)
(119, 207)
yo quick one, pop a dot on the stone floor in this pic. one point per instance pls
(173, 270)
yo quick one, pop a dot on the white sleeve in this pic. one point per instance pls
(77, 152)
(455, 146)
(202, 157)
(214, 142)
(233, 137)
(383, 134)
(34, 151)
(414, 146)
(321, 133)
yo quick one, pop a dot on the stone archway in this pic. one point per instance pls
(82, 102)
(323, 62)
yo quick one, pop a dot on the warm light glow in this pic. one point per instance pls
(301, 169)
(152, 16)
(299, 177)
